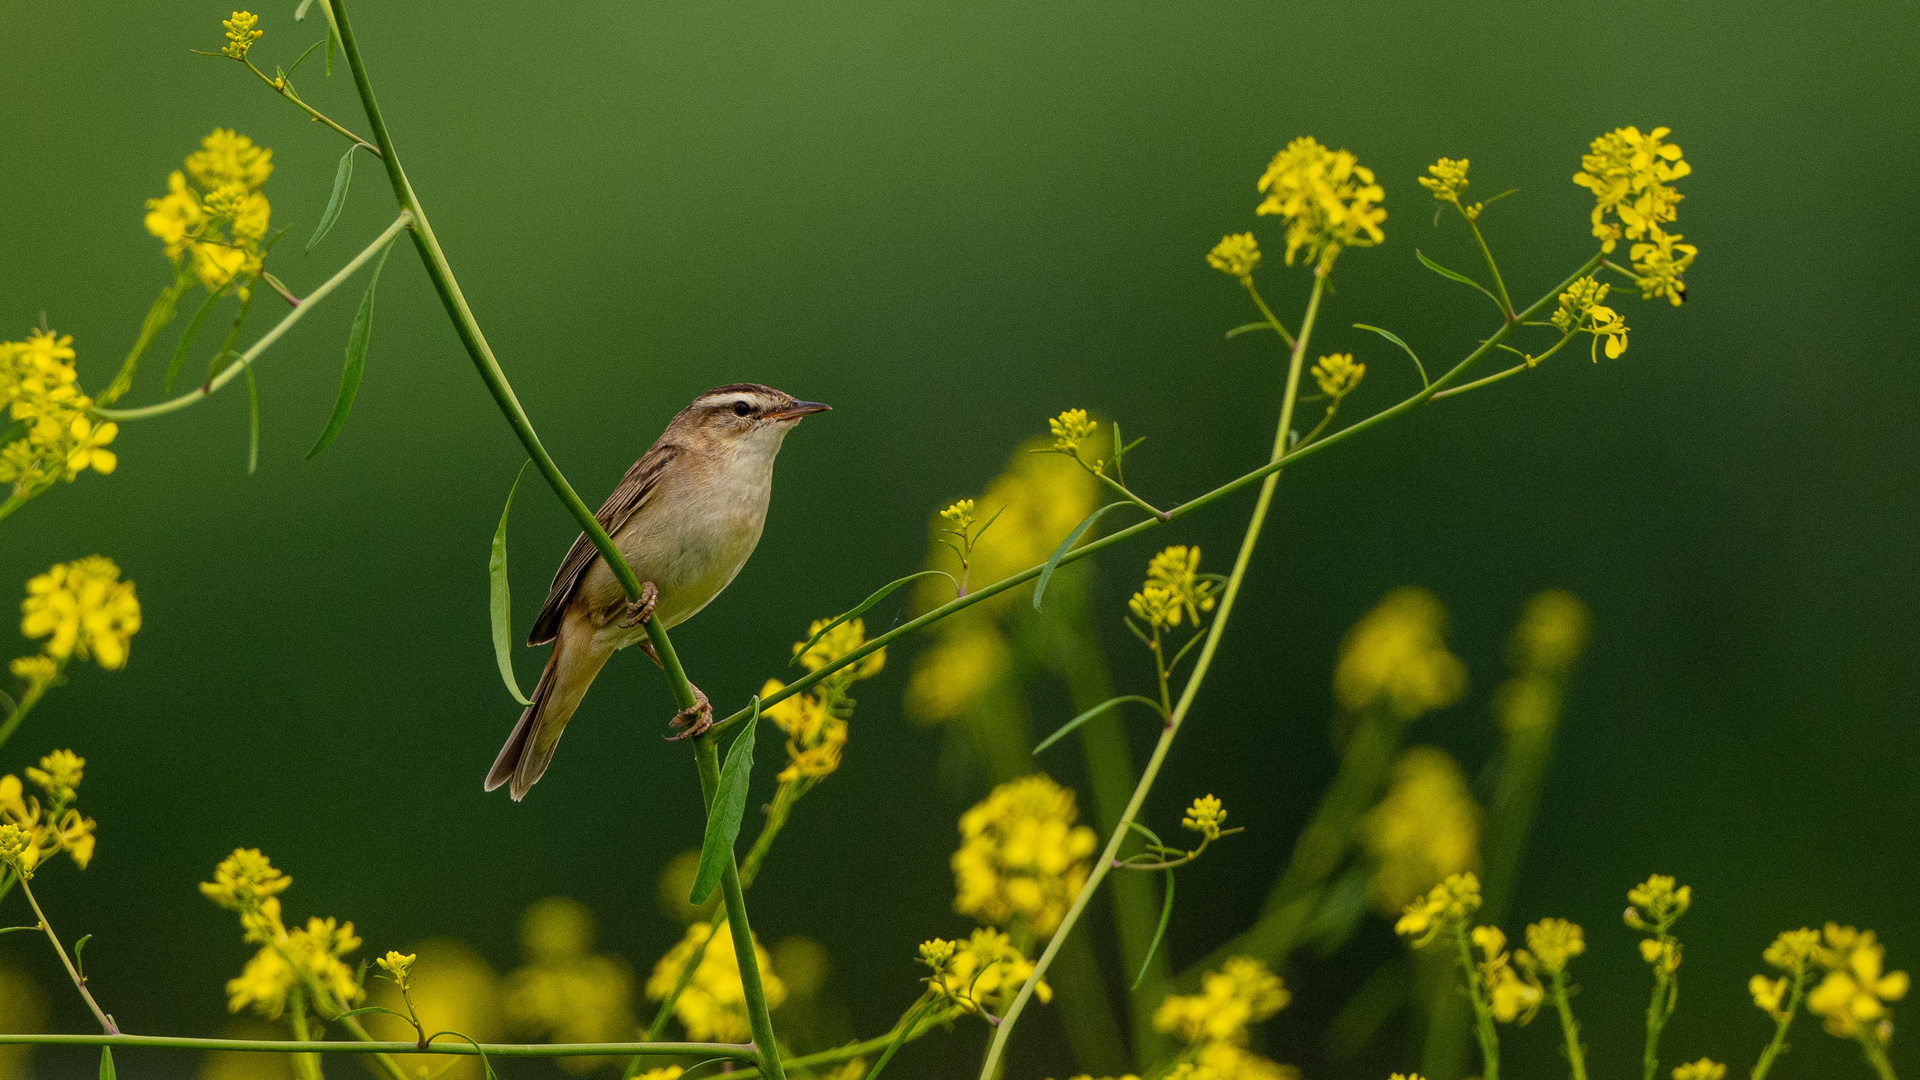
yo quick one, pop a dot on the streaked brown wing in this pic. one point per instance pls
(631, 494)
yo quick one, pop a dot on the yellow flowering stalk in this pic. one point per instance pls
(1851, 999)
(1448, 908)
(1236, 255)
(713, 1004)
(1512, 996)
(1631, 177)
(1581, 311)
(564, 991)
(214, 225)
(50, 828)
(83, 609)
(1704, 1069)
(1654, 906)
(1396, 659)
(56, 437)
(449, 988)
(1447, 178)
(1425, 829)
(978, 975)
(241, 34)
(1792, 954)
(1022, 857)
(1216, 1024)
(1077, 436)
(1551, 944)
(1328, 200)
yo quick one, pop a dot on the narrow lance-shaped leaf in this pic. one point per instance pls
(729, 806)
(500, 600)
(357, 338)
(1454, 275)
(106, 1063)
(1395, 338)
(1053, 561)
(1166, 916)
(883, 592)
(342, 177)
(186, 336)
(1091, 713)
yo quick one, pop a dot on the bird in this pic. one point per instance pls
(686, 516)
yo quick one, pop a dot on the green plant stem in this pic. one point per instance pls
(35, 691)
(1121, 536)
(14, 502)
(707, 754)
(231, 371)
(1876, 1054)
(158, 316)
(732, 1051)
(1482, 1014)
(307, 1064)
(285, 90)
(899, 1033)
(1261, 303)
(1530, 362)
(79, 981)
(1778, 1044)
(1659, 1008)
(1570, 1028)
(990, 1068)
(1506, 302)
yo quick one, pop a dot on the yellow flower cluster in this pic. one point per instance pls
(1655, 905)
(816, 721)
(247, 883)
(220, 219)
(399, 967)
(241, 34)
(40, 389)
(959, 515)
(1205, 817)
(1173, 590)
(714, 1004)
(1022, 856)
(1425, 829)
(1791, 952)
(41, 831)
(1446, 178)
(1581, 311)
(1445, 905)
(1551, 943)
(1512, 997)
(82, 608)
(1328, 199)
(1338, 374)
(1630, 175)
(449, 988)
(1704, 1069)
(1396, 658)
(1070, 429)
(1215, 1023)
(981, 974)
(565, 991)
(1853, 995)
(1237, 254)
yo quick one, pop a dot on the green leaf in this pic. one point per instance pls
(864, 605)
(729, 806)
(106, 1063)
(79, 947)
(186, 337)
(500, 601)
(342, 177)
(1247, 328)
(304, 55)
(1453, 275)
(16, 929)
(300, 13)
(1395, 338)
(1166, 915)
(1053, 561)
(356, 358)
(1090, 714)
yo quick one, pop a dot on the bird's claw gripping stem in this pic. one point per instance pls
(694, 722)
(639, 611)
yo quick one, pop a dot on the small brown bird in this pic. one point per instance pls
(686, 516)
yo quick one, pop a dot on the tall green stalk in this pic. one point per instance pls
(706, 752)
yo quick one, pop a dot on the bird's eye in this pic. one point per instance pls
(741, 408)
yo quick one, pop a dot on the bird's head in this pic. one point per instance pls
(743, 415)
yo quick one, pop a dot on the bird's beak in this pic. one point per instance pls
(797, 410)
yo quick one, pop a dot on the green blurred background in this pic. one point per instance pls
(949, 221)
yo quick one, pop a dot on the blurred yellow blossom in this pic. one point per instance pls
(980, 974)
(313, 951)
(1205, 817)
(1551, 943)
(1512, 998)
(836, 643)
(451, 989)
(713, 1006)
(1446, 178)
(13, 844)
(58, 775)
(1704, 1069)
(40, 396)
(815, 737)
(1243, 992)
(220, 218)
(1445, 904)
(1657, 901)
(1854, 993)
(676, 884)
(966, 658)
(1581, 311)
(664, 1072)
(1237, 254)
(240, 34)
(1629, 174)
(1337, 374)
(1426, 828)
(1328, 199)
(83, 608)
(55, 827)
(1396, 658)
(1022, 856)
(1552, 632)
(244, 881)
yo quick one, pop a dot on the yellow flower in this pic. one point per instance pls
(243, 880)
(966, 659)
(1236, 254)
(1768, 994)
(315, 950)
(713, 1006)
(1242, 993)
(1173, 586)
(1444, 905)
(1425, 829)
(1856, 988)
(49, 830)
(1704, 1069)
(240, 34)
(398, 966)
(1551, 634)
(1659, 265)
(1338, 374)
(815, 737)
(83, 608)
(1022, 856)
(1205, 817)
(221, 218)
(1510, 997)
(13, 844)
(1629, 174)
(564, 991)
(1792, 949)
(228, 157)
(664, 1072)
(1329, 201)
(1446, 178)
(836, 643)
(35, 671)
(1396, 658)
(959, 515)
(1657, 900)
(58, 775)
(981, 973)
(1553, 942)
(59, 441)
(1581, 311)
(1070, 429)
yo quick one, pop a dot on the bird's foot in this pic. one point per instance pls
(692, 723)
(639, 611)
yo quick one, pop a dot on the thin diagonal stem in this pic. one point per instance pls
(267, 339)
(285, 90)
(1004, 1030)
(1506, 302)
(731, 1051)
(79, 981)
